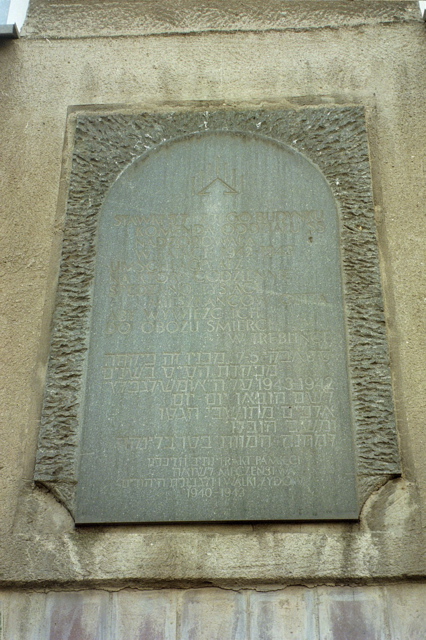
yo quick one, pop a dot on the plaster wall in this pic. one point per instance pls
(364, 53)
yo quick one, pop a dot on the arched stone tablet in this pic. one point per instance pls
(218, 348)
(217, 380)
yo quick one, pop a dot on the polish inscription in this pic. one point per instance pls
(217, 384)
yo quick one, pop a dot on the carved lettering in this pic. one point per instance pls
(220, 368)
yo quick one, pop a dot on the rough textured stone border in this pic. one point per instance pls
(334, 138)
(129, 18)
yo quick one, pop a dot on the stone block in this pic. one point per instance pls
(407, 611)
(287, 614)
(79, 615)
(144, 615)
(213, 615)
(352, 614)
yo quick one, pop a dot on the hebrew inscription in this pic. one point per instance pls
(218, 350)
(217, 384)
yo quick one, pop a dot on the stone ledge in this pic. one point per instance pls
(386, 545)
(102, 18)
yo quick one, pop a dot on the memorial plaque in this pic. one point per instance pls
(216, 384)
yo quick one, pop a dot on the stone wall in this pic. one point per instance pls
(321, 613)
(149, 56)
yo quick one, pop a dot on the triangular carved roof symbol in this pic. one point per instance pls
(228, 189)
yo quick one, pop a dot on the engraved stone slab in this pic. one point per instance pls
(217, 384)
(213, 381)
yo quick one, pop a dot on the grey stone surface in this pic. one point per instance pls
(222, 615)
(56, 616)
(380, 67)
(387, 542)
(151, 616)
(389, 612)
(76, 615)
(352, 614)
(406, 607)
(216, 383)
(289, 613)
(334, 138)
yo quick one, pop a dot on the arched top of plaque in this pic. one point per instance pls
(232, 166)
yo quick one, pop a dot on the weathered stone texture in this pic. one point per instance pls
(334, 138)
(68, 61)
(323, 613)
(63, 18)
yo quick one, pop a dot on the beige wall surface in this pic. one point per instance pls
(138, 55)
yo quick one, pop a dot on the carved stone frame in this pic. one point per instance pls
(335, 139)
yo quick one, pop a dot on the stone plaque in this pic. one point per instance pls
(215, 382)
